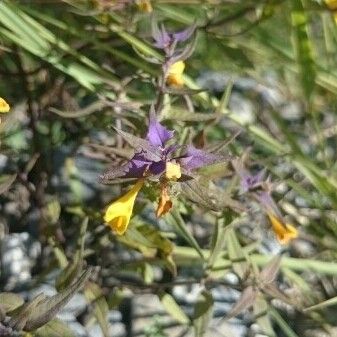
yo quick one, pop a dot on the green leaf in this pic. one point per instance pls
(48, 307)
(203, 312)
(328, 303)
(92, 108)
(176, 221)
(218, 240)
(6, 182)
(94, 295)
(60, 256)
(173, 308)
(31, 36)
(54, 328)
(147, 239)
(287, 330)
(303, 48)
(10, 301)
(236, 253)
(70, 273)
(261, 310)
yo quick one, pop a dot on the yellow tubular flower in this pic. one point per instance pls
(4, 106)
(172, 171)
(119, 212)
(144, 6)
(175, 72)
(284, 232)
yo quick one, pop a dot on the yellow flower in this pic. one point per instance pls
(144, 6)
(173, 171)
(4, 106)
(175, 72)
(119, 212)
(284, 232)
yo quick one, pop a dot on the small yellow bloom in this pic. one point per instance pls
(284, 232)
(119, 212)
(144, 6)
(4, 106)
(175, 72)
(173, 171)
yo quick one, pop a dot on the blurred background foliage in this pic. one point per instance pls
(73, 69)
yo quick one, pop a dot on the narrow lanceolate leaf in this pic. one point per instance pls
(183, 91)
(94, 294)
(322, 305)
(5, 183)
(94, 107)
(70, 273)
(218, 241)
(203, 312)
(245, 301)
(25, 32)
(288, 331)
(48, 307)
(303, 48)
(2, 313)
(10, 301)
(173, 308)
(261, 312)
(20, 318)
(54, 328)
(174, 219)
(235, 253)
(270, 271)
(176, 114)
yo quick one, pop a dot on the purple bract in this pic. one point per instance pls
(153, 153)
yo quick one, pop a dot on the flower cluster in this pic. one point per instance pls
(157, 160)
(174, 65)
(260, 189)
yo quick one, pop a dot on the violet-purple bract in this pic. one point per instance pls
(248, 181)
(153, 154)
(164, 39)
(260, 189)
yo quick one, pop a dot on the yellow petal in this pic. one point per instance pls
(173, 171)
(144, 6)
(118, 213)
(284, 232)
(175, 72)
(4, 106)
